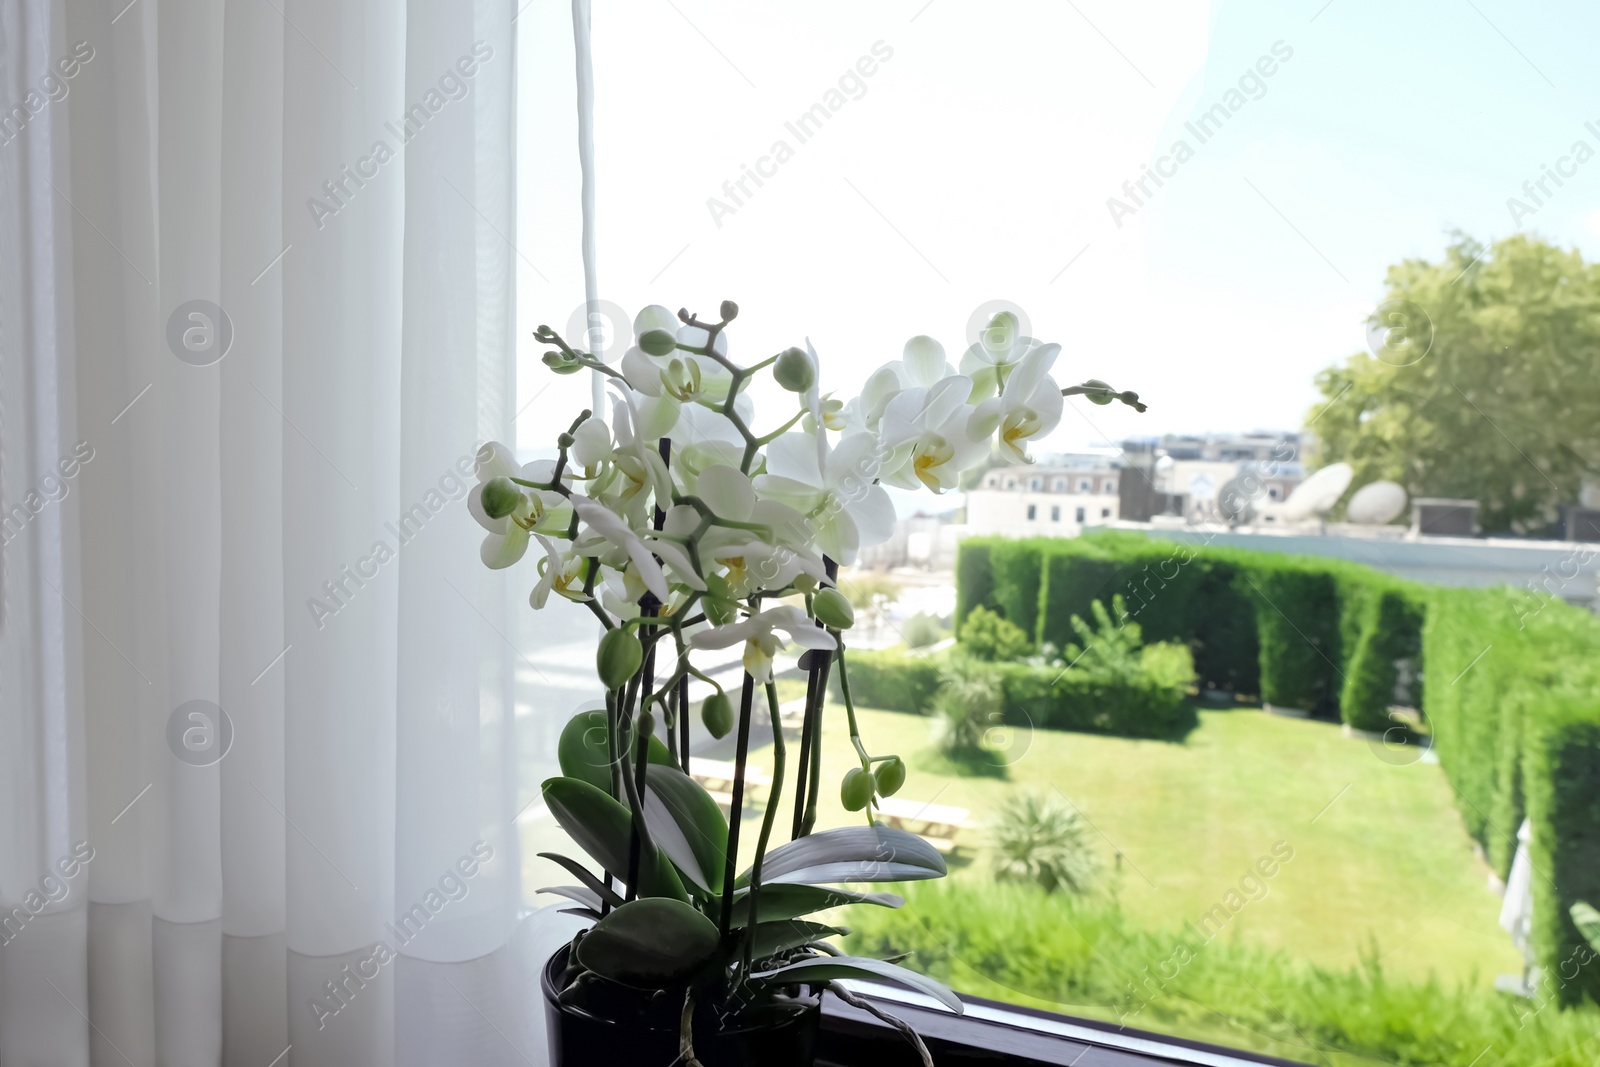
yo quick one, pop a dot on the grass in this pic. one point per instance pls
(1379, 854)
(1084, 957)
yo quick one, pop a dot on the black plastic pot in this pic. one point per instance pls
(616, 1027)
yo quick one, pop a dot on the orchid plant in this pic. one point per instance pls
(684, 529)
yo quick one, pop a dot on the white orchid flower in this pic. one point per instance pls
(839, 496)
(609, 526)
(1028, 409)
(551, 569)
(761, 641)
(591, 447)
(926, 434)
(507, 539)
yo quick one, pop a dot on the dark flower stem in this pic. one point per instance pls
(730, 868)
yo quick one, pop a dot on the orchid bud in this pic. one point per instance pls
(500, 498)
(855, 792)
(833, 610)
(794, 371)
(561, 363)
(619, 658)
(657, 342)
(717, 714)
(1104, 395)
(729, 310)
(889, 776)
(647, 725)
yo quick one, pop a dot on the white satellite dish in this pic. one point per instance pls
(1377, 503)
(1318, 493)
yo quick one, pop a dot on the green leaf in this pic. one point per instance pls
(603, 828)
(771, 938)
(584, 755)
(1587, 919)
(582, 894)
(581, 873)
(827, 968)
(787, 901)
(852, 854)
(687, 824)
(649, 943)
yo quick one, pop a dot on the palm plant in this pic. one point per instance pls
(1039, 839)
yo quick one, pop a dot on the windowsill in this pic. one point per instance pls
(991, 1032)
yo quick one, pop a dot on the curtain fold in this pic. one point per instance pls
(256, 314)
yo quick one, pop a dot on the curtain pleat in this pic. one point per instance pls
(277, 530)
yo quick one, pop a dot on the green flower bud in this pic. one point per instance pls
(501, 497)
(647, 724)
(794, 371)
(832, 609)
(657, 342)
(855, 792)
(619, 658)
(717, 714)
(729, 310)
(1104, 396)
(890, 775)
(561, 364)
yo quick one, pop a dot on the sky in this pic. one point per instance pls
(975, 162)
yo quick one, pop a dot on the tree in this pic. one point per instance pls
(1483, 382)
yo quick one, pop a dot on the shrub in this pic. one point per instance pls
(922, 630)
(1109, 651)
(890, 681)
(986, 636)
(1153, 703)
(967, 708)
(1039, 839)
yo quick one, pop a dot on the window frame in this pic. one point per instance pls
(993, 1032)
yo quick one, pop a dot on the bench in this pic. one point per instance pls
(937, 824)
(717, 777)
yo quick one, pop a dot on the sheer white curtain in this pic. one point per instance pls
(256, 310)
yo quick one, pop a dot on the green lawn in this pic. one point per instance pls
(1380, 857)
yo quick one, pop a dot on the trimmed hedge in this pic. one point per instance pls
(890, 681)
(1017, 570)
(1512, 697)
(1154, 705)
(1297, 624)
(974, 578)
(1390, 632)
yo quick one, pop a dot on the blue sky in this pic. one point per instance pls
(975, 164)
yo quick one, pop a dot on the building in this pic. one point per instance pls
(1185, 475)
(1056, 497)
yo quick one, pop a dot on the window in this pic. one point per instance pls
(1269, 213)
